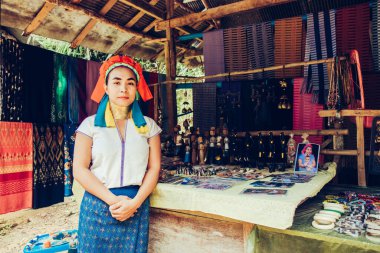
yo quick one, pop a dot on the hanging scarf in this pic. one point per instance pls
(104, 117)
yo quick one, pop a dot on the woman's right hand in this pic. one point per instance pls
(116, 199)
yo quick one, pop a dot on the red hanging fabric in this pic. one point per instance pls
(16, 166)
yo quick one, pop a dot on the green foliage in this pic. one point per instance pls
(90, 54)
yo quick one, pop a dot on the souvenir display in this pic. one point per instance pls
(178, 141)
(219, 149)
(284, 103)
(352, 214)
(201, 151)
(270, 184)
(251, 191)
(171, 180)
(187, 158)
(271, 154)
(235, 151)
(226, 147)
(211, 147)
(261, 153)
(194, 149)
(246, 160)
(304, 137)
(282, 159)
(291, 153)
(291, 178)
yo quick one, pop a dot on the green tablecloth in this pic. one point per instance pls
(302, 237)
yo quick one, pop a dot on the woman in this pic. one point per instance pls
(306, 160)
(117, 161)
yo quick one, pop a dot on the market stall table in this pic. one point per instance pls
(201, 220)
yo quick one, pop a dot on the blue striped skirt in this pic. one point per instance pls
(99, 232)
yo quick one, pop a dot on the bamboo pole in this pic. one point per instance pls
(343, 113)
(39, 18)
(298, 132)
(251, 71)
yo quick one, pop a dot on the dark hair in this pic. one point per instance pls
(306, 146)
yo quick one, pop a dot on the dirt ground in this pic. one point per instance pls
(17, 228)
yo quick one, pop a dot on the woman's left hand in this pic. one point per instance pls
(124, 209)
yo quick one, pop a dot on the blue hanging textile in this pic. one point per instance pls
(320, 44)
(69, 137)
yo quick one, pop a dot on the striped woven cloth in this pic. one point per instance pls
(320, 44)
(376, 34)
(260, 48)
(352, 26)
(236, 51)
(288, 38)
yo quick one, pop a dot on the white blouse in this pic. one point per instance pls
(118, 163)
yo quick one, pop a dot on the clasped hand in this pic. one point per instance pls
(123, 208)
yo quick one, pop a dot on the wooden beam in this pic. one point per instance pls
(217, 12)
(339, 152)
(170, 62)
(347, 152)
(86, 30)
(207, 6)
(189, 10)
(41, 15)
(362, 181)
(98, 18)
(146, 8)
(163, 40)
(193, 53)
(139, 15)
(150, 26)
(342, 113)
(126, 45)
(155, 57)
(258, 70)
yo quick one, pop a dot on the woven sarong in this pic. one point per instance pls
(98, 231)
(16, 165)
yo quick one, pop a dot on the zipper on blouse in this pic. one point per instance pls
(122, 150)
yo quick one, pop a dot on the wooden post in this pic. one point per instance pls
(247, 230)
(361, 155)
(170, 62)
(155, 101)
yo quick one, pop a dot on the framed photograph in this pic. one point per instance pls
(307, 158)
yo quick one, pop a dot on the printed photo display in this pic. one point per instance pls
(307, 158)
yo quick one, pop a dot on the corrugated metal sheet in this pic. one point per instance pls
(91, 5)
(121, 13)
(143, 22)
